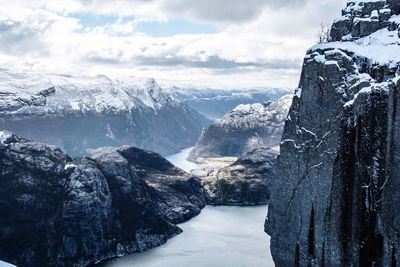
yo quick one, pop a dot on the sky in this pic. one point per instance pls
(189, 43)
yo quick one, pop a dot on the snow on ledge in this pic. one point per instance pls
(4, 135)
(382, 47)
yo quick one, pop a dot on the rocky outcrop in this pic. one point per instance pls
(362, 18)
(58, 211)
(247, 182)
(80, 114)
(336, 201)
(243, 129)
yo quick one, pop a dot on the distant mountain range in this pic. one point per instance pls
(214, 104)
(80, 114)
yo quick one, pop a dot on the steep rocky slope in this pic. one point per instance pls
(247, 182)
(336, 202)
(83, 113)
(244, 128)
(58, 211)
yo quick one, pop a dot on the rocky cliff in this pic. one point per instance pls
(80, 113)
(336, 201)
(59, 211)
(247, 182)
(244, 128)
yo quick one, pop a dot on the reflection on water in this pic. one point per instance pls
(218, 237)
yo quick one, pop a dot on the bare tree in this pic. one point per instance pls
(324, 33)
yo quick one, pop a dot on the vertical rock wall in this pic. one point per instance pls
(335, 201)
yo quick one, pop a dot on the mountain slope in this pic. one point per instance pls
(58, 211)
(246, 182)
(244, 128)
(337, 201)
(214, 104)
(83, 113)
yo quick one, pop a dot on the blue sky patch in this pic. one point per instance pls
(174, 27)
(152, 28)
(89, 20)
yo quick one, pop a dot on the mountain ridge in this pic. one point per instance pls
(84, 113)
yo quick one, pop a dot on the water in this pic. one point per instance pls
(218, 237)
(180, 160)
(5, 264)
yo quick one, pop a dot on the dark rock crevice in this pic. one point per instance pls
(311, 235)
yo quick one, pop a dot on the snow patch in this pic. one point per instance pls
(4, 136)
(395, 19)
(298, 92)
(381, 47)
(70, 166)
(110, 133)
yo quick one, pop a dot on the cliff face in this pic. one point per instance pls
(247, 182)
(335, 202)
(244, 128)
(56, 211)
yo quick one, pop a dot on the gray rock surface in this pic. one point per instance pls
(362, 18)
(244, 128)
(335, 202)
(58, 211)
(247, 182)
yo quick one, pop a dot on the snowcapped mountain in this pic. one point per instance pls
(258, 115)
(244, 128)
(37, 94)
(214, 103)
(83, 113)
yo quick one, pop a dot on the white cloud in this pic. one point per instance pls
(261, 43)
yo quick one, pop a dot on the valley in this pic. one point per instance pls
(218, 236)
